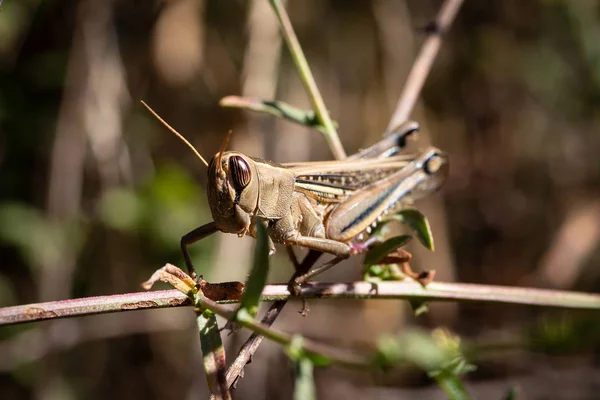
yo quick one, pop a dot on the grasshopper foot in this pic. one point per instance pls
(305, 308)
(363, 247)
(295, 288)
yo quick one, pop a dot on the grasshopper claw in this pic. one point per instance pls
(295, 289)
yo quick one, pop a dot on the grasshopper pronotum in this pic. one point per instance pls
(328, 206)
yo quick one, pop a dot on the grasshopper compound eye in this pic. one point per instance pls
(240, 172)
(434, 164)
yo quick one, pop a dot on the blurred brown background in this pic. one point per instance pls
(95, 194)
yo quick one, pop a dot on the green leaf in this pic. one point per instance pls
(374, 272)
(382, 272)
(378, 253)
(260, 269)
(413, 346)
(439, 354)
(276, 108)
(381, 228)
(418, 223)
(213, 352)
(415, 220)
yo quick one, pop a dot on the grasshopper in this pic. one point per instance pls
(324, 206)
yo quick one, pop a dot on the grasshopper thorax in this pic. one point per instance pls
(232, 191)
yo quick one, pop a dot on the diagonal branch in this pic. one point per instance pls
(235, 370)
(422, 65)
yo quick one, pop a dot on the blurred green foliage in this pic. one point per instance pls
(161, 211)
(40, 240)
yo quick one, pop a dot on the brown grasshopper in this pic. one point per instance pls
(323, 206)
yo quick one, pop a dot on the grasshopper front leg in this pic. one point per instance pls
(193, 237)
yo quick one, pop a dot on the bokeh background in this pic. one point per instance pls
(95, 194)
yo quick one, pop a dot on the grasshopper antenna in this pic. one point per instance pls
(222, 149)
(180, 136)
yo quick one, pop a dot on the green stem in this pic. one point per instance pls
(246, 320)
(307, 78)
(453, 387)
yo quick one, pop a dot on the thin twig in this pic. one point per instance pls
(307, 78)
(248, 349)
(246, 352)
(422, 65)
(406, 289)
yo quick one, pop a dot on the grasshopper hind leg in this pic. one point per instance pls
(303, 227)
(358, 248)
(338, 249)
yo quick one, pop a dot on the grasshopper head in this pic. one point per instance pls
(232, 191)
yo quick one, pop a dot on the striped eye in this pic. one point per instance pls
(240, 172)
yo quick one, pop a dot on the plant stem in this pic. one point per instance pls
(283, 338)
(406, 290)
(453, 387)
(409, 289)
(307, 78)
(422, 65)
(92, 305)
